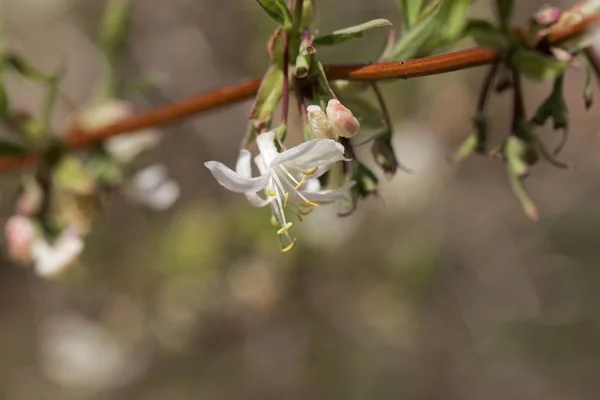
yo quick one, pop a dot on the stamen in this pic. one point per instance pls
(274, 221)
(310, 203)
(286, 197)
(311, 172)
(289, 246)
(284, 228)
(301, 182)
(271, 192)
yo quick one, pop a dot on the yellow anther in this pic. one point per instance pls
(287, 196)
(311, 172)
(301, 182)
(289, 246)
(271, 192)
(274, 221)
(284, 228)
(310, 203)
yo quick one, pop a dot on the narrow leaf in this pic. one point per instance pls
(411, 10)
(279, 11)
(352, 32)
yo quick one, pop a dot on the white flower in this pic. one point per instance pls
(343, 122)
(152, 188)
(287, 178)
(52, 260)
(319, 123)
(337, 122)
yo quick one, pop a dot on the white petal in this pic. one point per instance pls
(125, 148)
(266, 146)
(233, 181)
(342, 193)
(260, 164)
(150, 177)
(163, 197)
(310, 154)
(52, 261)
(243, 166)
(256, 200)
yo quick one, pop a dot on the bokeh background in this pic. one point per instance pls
(438, 289)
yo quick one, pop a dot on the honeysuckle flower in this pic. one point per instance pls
(20, 234)
(153, 188)
(287, 180)
(547, 15)
(53, 260)
(123, 148)
(343, 122)
(319, 123)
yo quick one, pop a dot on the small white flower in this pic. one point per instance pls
(337, 121)
(319, 123)
(286, 179)
(53, 260)
(343, 122)
(153, 188)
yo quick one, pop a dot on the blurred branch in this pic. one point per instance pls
(426, 66)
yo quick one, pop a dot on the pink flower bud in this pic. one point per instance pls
(547, 15)
(20, 235)
(319, 124)
(342, 120)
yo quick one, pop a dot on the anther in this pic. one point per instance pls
(284, 228)
(301, 182)
(311, 172)
(289, 246)
(271, 192)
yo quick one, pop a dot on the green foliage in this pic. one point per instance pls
(352, 32)
(278, 10)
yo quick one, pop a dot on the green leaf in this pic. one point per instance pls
(384, 155)
(27, 70)
(11, 149)
(411, 43)
(4, 104)
(71, 175)
(485, 34)
(269, 94)
(476, 141)
(411, 10)
(536, 65)
(453, 20)
(279, 11)
(115, 28)
(554, 107)
(352, 32)
(505, 10)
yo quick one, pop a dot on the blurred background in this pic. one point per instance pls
(438, 289)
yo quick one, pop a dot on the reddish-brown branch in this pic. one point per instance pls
(426, 66)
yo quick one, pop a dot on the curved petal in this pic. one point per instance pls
(311, 154)
(233, 181)
(256, 200)
(323, 196)
(243, 167)
(266, 145)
